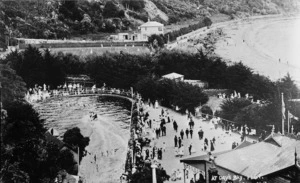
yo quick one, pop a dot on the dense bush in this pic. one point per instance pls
(172, 93)
(74, 138)
(231, 107)
(136, 5)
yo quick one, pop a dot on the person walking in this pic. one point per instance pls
(175, 141)
(181, 133)
(187, 133)
(191, 133)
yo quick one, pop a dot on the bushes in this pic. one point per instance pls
(172, 93)
(137, 5)
(174, 34)
(142, 17)
(231, 107)
(205, 109)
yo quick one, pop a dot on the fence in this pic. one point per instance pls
(83, 44)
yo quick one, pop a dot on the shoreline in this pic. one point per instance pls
(253, 55)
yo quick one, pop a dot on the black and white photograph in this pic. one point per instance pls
(150, 91)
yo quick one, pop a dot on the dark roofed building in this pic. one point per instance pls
(272, 160)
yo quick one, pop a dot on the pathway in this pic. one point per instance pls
(169, 161)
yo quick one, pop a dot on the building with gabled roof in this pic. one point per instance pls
(271, 160)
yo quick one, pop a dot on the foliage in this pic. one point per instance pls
(74, 138)
(144, 174)
(13, 86)
(205, 109)
(207, 21)
(110, 9)
(231, 107)
(172, 93)
(137, 5)
(25, 154)
(156, 41)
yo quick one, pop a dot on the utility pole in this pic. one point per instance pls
(1, 113)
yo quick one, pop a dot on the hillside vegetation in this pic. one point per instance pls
(54, 19)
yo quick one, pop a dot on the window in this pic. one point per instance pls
(159, 28)
(145, 28)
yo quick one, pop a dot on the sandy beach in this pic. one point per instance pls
(269, 46)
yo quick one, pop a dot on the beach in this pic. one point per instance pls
(268, 46)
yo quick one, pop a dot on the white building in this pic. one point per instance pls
(174, 76)
(145, 30)
(149, 28)
(180, 77)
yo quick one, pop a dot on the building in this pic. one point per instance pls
(179, 77)
(149, 28)
(174, 76)
(145, 30)
(198, 83)
(83, 80)
(272, 160)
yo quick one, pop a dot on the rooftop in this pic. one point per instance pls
(172, 75)
(151, 24)
(272, 155)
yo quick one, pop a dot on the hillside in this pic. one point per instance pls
(55, 19)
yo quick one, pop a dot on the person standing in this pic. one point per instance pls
(191, 133)
(212, 148)
(179, 142)
(181, 134)
(192, 180)
(175, 126)
(150, 123)
(187, 133)
(190, 149)
(175, 141)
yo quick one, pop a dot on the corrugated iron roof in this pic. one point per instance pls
(262, 158)
(256, 160)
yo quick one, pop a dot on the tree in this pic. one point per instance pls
(156, 41)
(13, 86)
(110, 10)
(74, 138)
(136, 5)
(54, 73)
(236, 77)
(207, 22)
(144, 174)
(32, 67)
(231, 107)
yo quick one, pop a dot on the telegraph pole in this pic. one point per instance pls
(1, 113)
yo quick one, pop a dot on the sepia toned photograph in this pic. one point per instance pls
(150, 91)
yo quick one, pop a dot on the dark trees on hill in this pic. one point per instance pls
(13, 87)
(137, 5)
